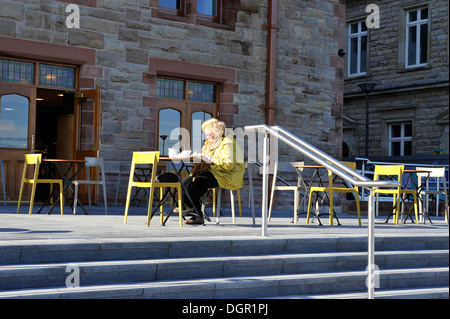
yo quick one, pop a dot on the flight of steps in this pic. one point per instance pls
(224, 268)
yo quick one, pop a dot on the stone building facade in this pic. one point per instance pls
(127, 48)
(407, 57)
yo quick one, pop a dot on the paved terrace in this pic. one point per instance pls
(96, 226)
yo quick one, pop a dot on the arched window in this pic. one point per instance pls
(169, 124)
(14, 110)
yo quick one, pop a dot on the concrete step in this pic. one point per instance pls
(78, 250)
(125, 271)
(408, 293)
(248, 286)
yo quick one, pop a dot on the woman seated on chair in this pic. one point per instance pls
(222, 165)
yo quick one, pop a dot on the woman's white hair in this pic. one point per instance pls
(217, 127)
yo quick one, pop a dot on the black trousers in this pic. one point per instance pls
(199, 187)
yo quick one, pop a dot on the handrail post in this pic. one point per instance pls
(265, 186)
(371, 246)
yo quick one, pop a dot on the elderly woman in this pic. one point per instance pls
(222, 165)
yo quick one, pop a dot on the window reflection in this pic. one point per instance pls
(174, 4)
(169, 123)
(14, 121)
(198, 138)
(208, 7)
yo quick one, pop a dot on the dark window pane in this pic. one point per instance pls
(395, 149)
(363, 54)
(396, 131)
(408, 130)
(423, 43)
(407, 148)
(424, 13)
(354, 56)
(412, 45)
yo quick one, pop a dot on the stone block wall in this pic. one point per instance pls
(126, 35)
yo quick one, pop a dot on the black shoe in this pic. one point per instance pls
(194, 221)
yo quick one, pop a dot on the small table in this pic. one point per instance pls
(185, 162)
(314, 176)
(67, 176)
(417, 188)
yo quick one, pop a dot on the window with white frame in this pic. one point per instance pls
(400, 139)
(416, 37)
(357, 44)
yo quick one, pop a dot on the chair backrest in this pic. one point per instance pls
(434, 172)
(32, 159)
(151, 158)
(351, 165)
(95, 162)
(389, 170)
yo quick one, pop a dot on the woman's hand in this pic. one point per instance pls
(203, 157)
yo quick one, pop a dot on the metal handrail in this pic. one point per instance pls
(337, 168)
(322, 158)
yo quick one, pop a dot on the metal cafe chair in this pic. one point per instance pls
(150, 158)
(398, 194)
(91, 162)
(425, 192)
(35, 159)
(331, 189)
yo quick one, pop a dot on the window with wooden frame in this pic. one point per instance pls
(182, 106)
(212, 13)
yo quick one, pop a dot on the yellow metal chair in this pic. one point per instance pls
(35, 159)
(330, 189)
(150, 158)
(396, 172)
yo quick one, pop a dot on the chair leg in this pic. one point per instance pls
(239, 202)
(127, 203)
(75, 199)
(415, 208)
(309, 208)
(33, 192)
(358, 208)
(61, 197)
(180, 205)
(105, 198)
(219, 199)
(296, 202)
(89, 199)
(150, 205)
(330, 197)
(233, 214)
(20, 195)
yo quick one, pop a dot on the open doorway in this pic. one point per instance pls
(54, 123)
(54, 130)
